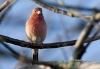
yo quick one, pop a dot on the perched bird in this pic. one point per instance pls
(36, 29)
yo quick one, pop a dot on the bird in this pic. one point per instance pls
(36, 29)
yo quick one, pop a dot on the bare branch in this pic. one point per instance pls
(16, 54)
(63, 65)
(80, 49)
(70, 13)
(96, 32)
(84, 35)
(8, 4)
(5, 4)
(42, 46)
(69, 6)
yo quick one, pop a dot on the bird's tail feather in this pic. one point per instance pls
(35, 54)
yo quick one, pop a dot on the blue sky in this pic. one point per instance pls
(59, 28)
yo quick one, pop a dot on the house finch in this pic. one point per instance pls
(36, 29)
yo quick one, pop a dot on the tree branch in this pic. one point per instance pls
(80, 49)
(42, 46)
(69, 6)
(64, 65)
(16, 54)
(70, 13)
(5, 4)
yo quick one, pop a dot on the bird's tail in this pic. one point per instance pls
(35, 54)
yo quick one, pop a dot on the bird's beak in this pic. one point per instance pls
(38, 12)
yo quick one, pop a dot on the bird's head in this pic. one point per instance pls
(37, 11)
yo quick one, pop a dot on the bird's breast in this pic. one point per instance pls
(36, 31)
